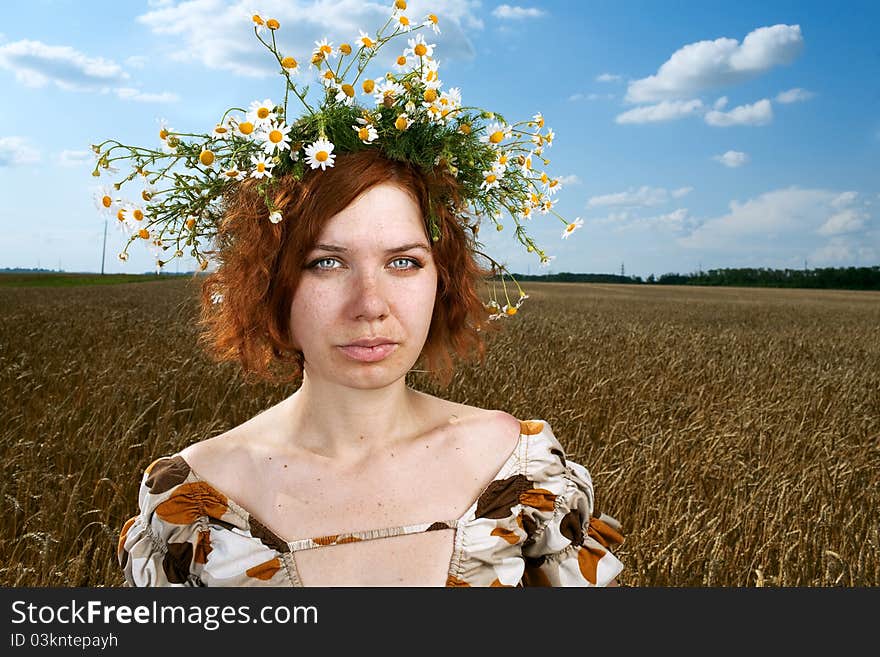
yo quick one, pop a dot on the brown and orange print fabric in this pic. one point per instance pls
(534, 525)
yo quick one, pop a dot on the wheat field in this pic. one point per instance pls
(734, 432)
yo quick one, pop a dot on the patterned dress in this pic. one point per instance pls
(533, 525)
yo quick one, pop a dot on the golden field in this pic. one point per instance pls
(735, 432)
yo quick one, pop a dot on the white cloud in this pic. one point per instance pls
(849, 220)
(592, 96)
(16, 151)
(794, 95)
(759, 113)
(75, 158)
(642, 197)
(507, 12)
(128, 93)
(668, 110)
(791, 216)
(220, 36)
(721, 103)
(732, 159)
(607, 77)
(570, 180)
(36, 64)
(706, 64)
(577, 96)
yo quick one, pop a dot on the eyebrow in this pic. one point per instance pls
(341, 249)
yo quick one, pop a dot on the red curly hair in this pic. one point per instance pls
(260, 264)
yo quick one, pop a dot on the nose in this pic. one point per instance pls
(369, 297)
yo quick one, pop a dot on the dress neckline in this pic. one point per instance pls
(245, 513)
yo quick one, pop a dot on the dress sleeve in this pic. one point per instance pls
(157, 546)
(569, 542)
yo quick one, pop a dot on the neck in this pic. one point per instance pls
(347, 424)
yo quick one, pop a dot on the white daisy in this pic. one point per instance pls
(105, 200)
(328, 79)
(275, 217)
(365, 40)
(573, 226)
(546, 260)
(490, 179)
(275, 138)
(553, 186)
(262, 166)
(388, 91)
(496, 133)
(431, 21)
(345, 94)
(320, 154)
(419, 48)
(221, 131)
(324, 48)
(402, 23)
(430, 75)
(261, 113)
(366, 131)
(234, 174)
(538, 120)
(243, 128)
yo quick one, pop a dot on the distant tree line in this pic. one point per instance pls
(838, 278)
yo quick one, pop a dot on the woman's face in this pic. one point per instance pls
(371, 274)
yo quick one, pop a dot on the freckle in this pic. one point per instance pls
(285, 465)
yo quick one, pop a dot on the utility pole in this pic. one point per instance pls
(104, 250)
(621, 270)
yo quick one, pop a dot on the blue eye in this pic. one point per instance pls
(415, 264)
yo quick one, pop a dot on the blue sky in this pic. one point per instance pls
(688, 134)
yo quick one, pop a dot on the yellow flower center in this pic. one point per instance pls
(256, 18)
(369, 85)
(465, 128)
(491, 178)
(511, 311)
(232, 173)
(430, 95)
(348, 90)
(327, 50)
(368, 42)
(403, 20)
(544, 178)
(322, 156)
(272, 24)
(317, 58)
(106, 201)
(144, 233)
(261, 167)
(570, 228)
(144, 195)
(432, 18)
(328, 75)
(190, 223)
(121, 215)
(541, 122)
(275, 136)
(554, 182)
(138, 215)
(220, 130)
(206, 158)
(345, 48)
(420, 49)
(263, 112)
(289, 62)
(246, 127)
(364, 134)
(400, 4)
(502, 159)
(401, 60)
(401, 123)
(163, 134)
(432, 76)
(496, 137)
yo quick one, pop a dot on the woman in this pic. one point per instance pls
(355, 448)
(346, 275)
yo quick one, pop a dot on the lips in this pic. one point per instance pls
(369, 354)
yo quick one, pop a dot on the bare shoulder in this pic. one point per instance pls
(220, 459)
(497, 432)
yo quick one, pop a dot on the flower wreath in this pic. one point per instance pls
(412, 120)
